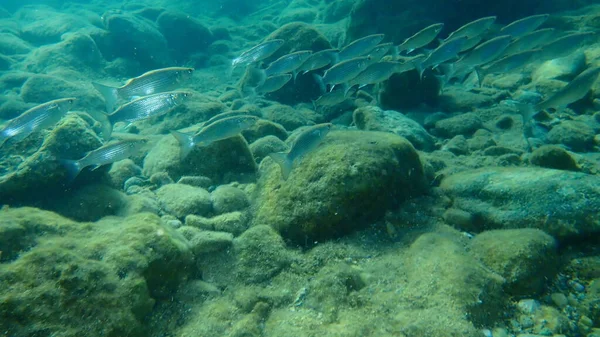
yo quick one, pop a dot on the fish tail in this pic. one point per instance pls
(106, 124)
(320, 82)
(480, 75)
(281, 158)
(186, 141)
(72, 167)
(110, 94)
(346, 88)
(395, 51)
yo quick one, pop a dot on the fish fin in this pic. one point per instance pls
(294, 75)
(395, 51)
(335, 58)
(480, 75)
(408, 51)
(73, 167)
(331, 89)
(186, 141)
(346, 88)
(284, 163)
(106, 125)
(319, 80)
(110, 94)
(262, 77)
(94, 167)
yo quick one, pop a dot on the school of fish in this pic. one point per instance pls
(471, 50)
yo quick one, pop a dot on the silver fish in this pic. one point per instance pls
(470, 43)
(482, 54)
(379, 72)
(359, 47)
(446, 51)
(106, 154)
(36, 118)
(506, 64)
(273, 83)
(473, 28)
(258, 52)
(563, 46)
(218, 130)
(331, 98)
(223, 115)
(421, 38)
(380, 51)
(525, 25)
(575, 90)
(145, 107)
(152, 82)
(345, 71)
(318, 60)
(530, 41)
(307, 141)
(287, 63)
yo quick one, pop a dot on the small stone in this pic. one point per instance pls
(560, 300)
(198, 181)
(496, 151)
(457, 145)
(577, 135)
(555, 157)
(528, 306)
(160, 179)
(234, 222)
(180, 200)
(122, 171)
(262, 147)
(463, 124)
(227, 199)
(203, 241)
(459, 218)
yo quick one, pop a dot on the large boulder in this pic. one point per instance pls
(561, 203)
(82, 279)
(184, 34)
(351, 179)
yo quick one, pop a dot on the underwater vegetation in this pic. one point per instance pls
(299, 168)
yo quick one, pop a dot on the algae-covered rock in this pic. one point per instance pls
(577, 135)
(526, 258)
(554, 157)
(10, 44)
(464, 124)
(138, 39)
(223, 161)
(184, 34)
(372, 118)
(31, 170)
(262, 147)
(45, 25)
(264, 128)
(83, 279)
(349, 180)
(180, 200)
(42, 88)
(203, 241)
(561, 203)
(298, 36)
(289, 117)
(233, 222)
(227, 199)
(121, 171)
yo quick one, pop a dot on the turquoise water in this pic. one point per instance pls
(299, 168)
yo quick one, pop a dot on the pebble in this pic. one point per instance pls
(559, 299)
(528, 306)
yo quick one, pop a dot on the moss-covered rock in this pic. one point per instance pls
(228, 198)
(180, 200)
(554, 157)
(83, 279)
(351, 179)
(526, 258)
(262, 147)
(561, 203)
(184, 34)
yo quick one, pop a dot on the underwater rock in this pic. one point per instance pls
(262, 147)
(198, 108)
(184, 34)
(43, 88)
(5, 62)
(10, 45)
(83, 279)
(337, 10)
(564, 68)
(180, 200)
(39, 174)
(226, 199)
(121, 171)
(198, 181)
(406, 91)
(44, 25)
(76, 51)
(463, 124)
(203, 241)
(288, 117)
(348, 181)
(306, 15)
(223, 161)
(297, 36)
(460, 100)
(260, 254)
(372, 118)
(138, 39)
(554, 157)
(561, 203)
(576, 135)
(524, 257)
(457, 145)
(263, 128)
(234, 222)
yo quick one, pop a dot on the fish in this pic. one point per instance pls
(145, 107)
(273, 83)
(379, 72)
(563, 46)
(530, 41)
(218, 130)
(332, 98)
(152, 82)
(482, 54)
(446, 51)
(380, 50)
(473, 28)
(107, 154)
(223, 115)
(37, 118)
(359, 47)
(306, 142)
(344, 71)
(420, 39)
(575, 90)
(258, 53)
(318, 60)
(287, 63)
(525, 25)
(505, 64)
